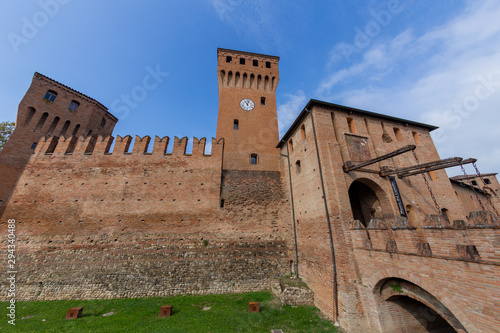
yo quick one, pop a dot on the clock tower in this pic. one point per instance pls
(247, 118)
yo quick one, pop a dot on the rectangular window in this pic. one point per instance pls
(253, 159)
(50, 96)
(242, 61)
(474, 183)
(487, 181)
(229, 59)
(73, 106)
(33, 146)
(256, 63)
(262, 101)
(268, 64)
(235, 125)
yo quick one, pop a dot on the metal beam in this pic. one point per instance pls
(388, 172)
(449, 165)
(348, 166)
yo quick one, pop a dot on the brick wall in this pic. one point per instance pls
(100, 224)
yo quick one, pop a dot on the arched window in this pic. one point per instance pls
(29, 116)
(53, 126)
(65, 128)
(41, 121)
(303, 132)
(50, 95)
(73, 106)
(235, 124)
(351, 125)
(297, 167)
(253, 159)
(75, 131)
(416, 137)
(397, 133)
(290, 145)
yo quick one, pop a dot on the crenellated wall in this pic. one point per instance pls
(92, 223)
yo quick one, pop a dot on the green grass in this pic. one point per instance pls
(228, 313)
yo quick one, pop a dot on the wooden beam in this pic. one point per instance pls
(384, 173)
(407, 174)
(348, 166)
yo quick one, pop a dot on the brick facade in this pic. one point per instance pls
(137, 221)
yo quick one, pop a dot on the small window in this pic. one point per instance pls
(242, 61)
(351, 125)
(290, 145)
(73, 106)
(253, 159)
(474, 183)
(262, 101)
(303, 132)
(33, 146)
(90, 133)
(268, 64)
(297, 167)
(256, 63)
(229, 59)
(103, 122)
(397, 133)
(235, 124)
(416, 137)
(487, 181)
(50, 96)
(444, 212)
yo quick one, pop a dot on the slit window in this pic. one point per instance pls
(242, 61)
(297, 167)
(256, 63)
(229, 59)
(416, 137)
(73, 106)
(50, 96)
(253, 159)
(397, 133)
(235, 124)
(290, 145)
(351, 125)
(268, 64)
(33, 146)
(262, 101)
(103, 122)
(303, 132)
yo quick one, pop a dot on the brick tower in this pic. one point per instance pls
(48, 108)
(247, 117)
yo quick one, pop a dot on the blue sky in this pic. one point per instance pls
(430, 61)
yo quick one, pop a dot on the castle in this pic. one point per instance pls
(356, 203)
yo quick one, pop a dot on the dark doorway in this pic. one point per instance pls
(364, 203)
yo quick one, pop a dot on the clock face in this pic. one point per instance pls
(247, 104)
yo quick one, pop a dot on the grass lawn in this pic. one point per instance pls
(227, 313)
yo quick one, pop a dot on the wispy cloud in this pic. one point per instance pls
(288, 111)
(448, 76)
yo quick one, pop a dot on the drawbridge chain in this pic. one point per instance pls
(429, 189)
(485, 186)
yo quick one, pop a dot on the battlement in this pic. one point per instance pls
(470, 240)
(99, 145)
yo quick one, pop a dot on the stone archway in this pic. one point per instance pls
(406, 307)
(368, 201)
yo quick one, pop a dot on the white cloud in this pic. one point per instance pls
(288, 111)
(438, 77)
